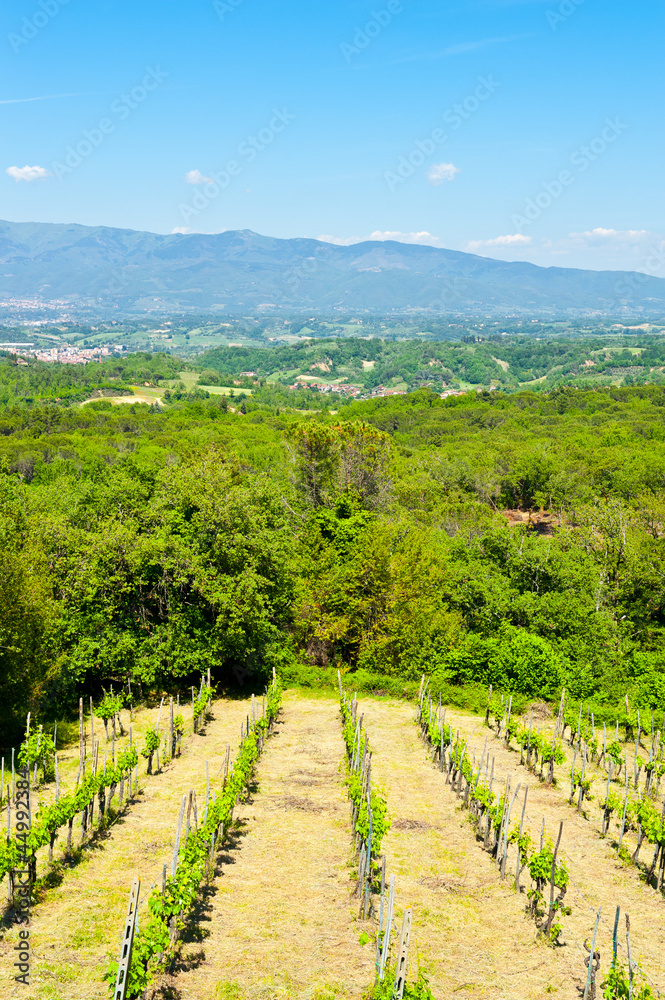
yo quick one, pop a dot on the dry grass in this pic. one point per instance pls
(137, 722)
(68, 754)
(77, 927)
(281, 921)
(471, 931)
(598, 877)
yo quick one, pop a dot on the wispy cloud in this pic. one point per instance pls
(600, 236)
(423, 238)
(440, 172)
(47, 97)
(480, 43)
(28, 173)
(510, 240)
(627, 249)
(459, 49)
(601, 248)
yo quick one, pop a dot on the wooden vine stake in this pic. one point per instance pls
(81, 757)
(591, 971)
(120, 990)
(630, 960)
(385, 945)
(381, 914)
(402, 956)
(176, 848)
(504, 848)
(518, 870)
(550, 915)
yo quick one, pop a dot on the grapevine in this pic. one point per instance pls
(151, 745)
(641, 814)
(169, 906)
(491, 815)
(108, 709)
(369, 813)
(37, 750)
(53, 817)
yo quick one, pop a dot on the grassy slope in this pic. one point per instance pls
(471, 931)
(78, 924)
(282, 919)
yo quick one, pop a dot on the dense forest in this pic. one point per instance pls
(24, 382)
(494, 360)
(514, 538)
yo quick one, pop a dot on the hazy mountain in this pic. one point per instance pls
(127, 271)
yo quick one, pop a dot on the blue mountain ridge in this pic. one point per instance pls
(128, 271)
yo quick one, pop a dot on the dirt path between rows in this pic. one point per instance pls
(78, 925)
(281, 919)
(472, 934)
(598, 877)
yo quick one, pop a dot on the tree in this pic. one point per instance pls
(348, 457)
(26, 610)
(526, 663)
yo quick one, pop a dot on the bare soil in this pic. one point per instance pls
(540, 521)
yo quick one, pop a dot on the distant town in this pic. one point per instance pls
(64, 354)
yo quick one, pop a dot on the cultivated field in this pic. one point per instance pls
(278, 914)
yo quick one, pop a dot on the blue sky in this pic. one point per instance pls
(518, 129)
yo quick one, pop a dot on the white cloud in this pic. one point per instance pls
(423, 238)
(28, 173)
(181, 230)
(600, 236)
(596, 249)
(510, 240)
(611, 249)
(196, 177)
(440, 172)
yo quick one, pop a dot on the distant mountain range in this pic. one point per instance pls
(120, 271)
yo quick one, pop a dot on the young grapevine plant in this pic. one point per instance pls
(489, 812)
(109, 708)
(378, 803)
(168, 908)
(38, 749)
(617, 986)
(59, 814)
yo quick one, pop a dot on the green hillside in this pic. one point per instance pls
(150, 543)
